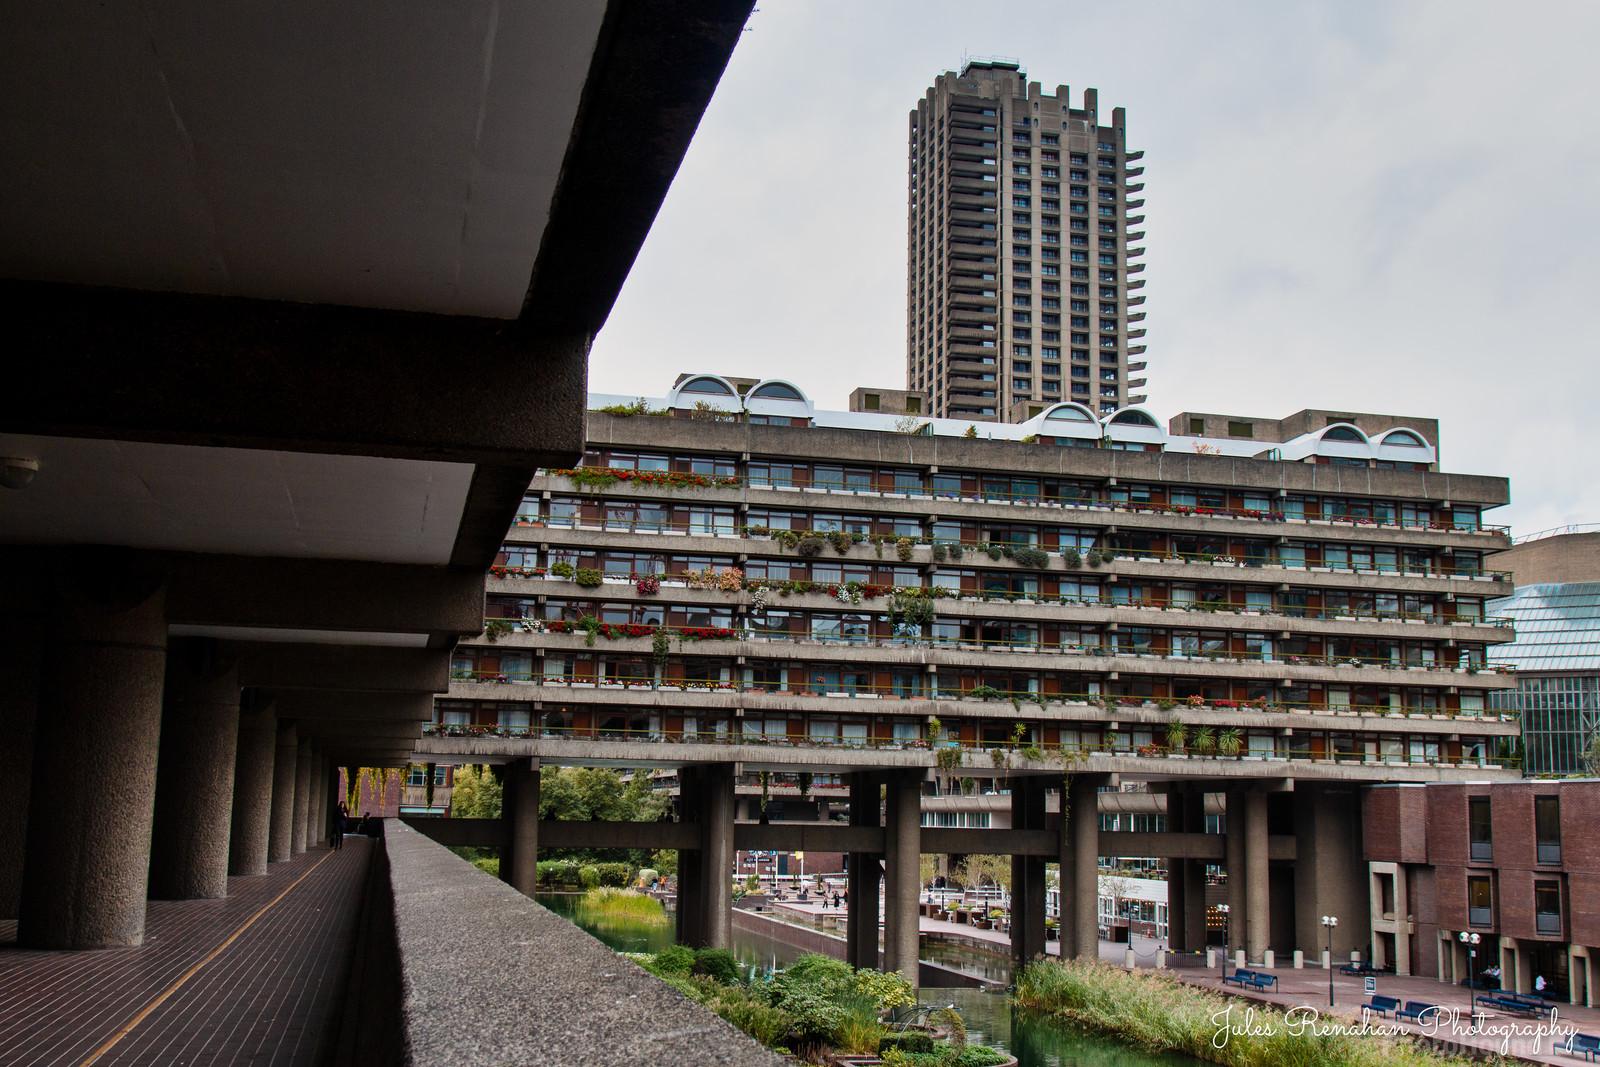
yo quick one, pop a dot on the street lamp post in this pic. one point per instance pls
(1223, 909)
(1471, 940)
(1328, 923)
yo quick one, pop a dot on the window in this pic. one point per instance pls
(871, 401)
(1547, 906)
(1547, 828)
(1241, 429)
(1197, 427)
(1480, 834)
(1479, 908)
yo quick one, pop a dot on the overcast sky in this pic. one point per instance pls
(1385, 206)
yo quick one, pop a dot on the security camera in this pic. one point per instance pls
(17, 472)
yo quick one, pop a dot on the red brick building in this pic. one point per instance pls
(1516, 863)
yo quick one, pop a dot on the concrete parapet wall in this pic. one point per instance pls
(488, 976)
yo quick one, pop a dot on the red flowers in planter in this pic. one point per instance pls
(649, 585)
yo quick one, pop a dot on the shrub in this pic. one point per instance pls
(589, 876)
(1031, 557)
(561, 569)
(588, 577)
(1093, 557)
(841, 540)
(674, 960)
(1071, 559)
(888, 989)
(766, 1023)
(939, 553)
(717, 964)
(809, 545)
(902, 548)
(909, 1041)
(618, 875)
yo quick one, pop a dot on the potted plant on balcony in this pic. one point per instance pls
(1205, 740)
(1230, 742)
(1177, 736)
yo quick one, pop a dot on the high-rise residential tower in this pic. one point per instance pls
(1023, 240)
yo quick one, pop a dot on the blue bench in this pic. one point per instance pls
(1252, 980)
(1415, 1009)
(1382, 1005)
(1513, 1002)
(1586, 1045)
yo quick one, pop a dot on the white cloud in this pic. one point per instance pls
(1365, 205)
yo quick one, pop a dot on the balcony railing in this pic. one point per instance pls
(985, 694)
(1032, 645)
(1120, 555)
(1007, 751)
(1045, 500)
(615, 585)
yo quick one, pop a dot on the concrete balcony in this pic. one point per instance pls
(1028, 609)
(974, 762)
(668, 697)
(978, 655)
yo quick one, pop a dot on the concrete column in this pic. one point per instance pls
(285, 763)
(716, 856)
(1330, 870)
(97, 736)
(524, 826)
(690, 810)
(1234, 863)
(194, 780)
(304, 756)
(861, 923)
(1080, 868)
(20, 654)
(322, 792)
(1182, 934)
(251, 822)
(903, 876)
(1027, 873)
(1258, 898)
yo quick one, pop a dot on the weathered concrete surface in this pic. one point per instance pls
(94, 784)
(285, 766)
(255, 758)
(532, 988)
(194, 775)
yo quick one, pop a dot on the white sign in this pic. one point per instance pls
(1371, 984)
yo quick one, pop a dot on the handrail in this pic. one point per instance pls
(623, 631)
(670, 479)
(871, 591)
(1066, 754)
(1104, 701)
(1108, 554)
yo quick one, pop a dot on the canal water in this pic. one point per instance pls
(988, 1015)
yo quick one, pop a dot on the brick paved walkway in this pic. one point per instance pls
(270, 996)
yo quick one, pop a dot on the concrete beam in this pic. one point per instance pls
(349, 668)
(316, 707)
(323, 594)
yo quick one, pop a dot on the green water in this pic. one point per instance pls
(988, 1015)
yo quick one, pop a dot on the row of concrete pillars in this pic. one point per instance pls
(886, 801)
(136, 775)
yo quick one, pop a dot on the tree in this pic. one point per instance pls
(978, 870)
(582, 794)
(475, 795)
(1591, 757)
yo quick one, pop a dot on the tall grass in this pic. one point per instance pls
(1159, 1013)
(611, 906)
